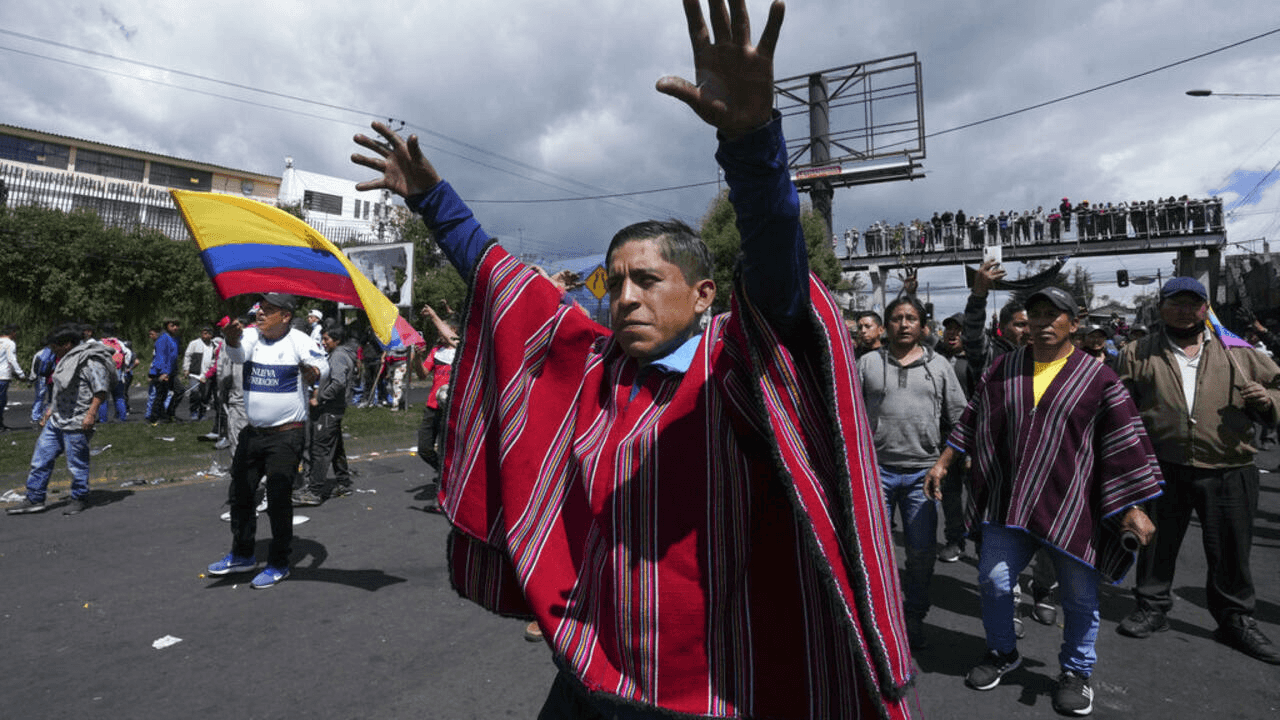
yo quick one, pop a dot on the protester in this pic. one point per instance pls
(123, 358)
(81, 383)
(731, 586)
(315, 325)
(436, 368)
(197, 368)
(162, 395)
(9, 368)
(908, 388)
(953, 488)
(1199, 400)
(328, 404)
(279, 363)
(42, 364)
(1065, 474)
(870, 331)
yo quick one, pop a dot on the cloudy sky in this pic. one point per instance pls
(554, 100)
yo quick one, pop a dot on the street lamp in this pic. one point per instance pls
(1207, 93)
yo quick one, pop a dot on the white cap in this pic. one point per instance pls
(316, 314)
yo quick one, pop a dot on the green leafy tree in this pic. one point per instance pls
(720, 233)
(57, 267)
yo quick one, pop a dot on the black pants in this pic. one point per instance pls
(276, 455)
(953, 486)
(326, 450)
(1225, 501)
(159, 403)
(429, 436)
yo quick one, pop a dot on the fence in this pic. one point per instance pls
(119, 203)
(132, 205)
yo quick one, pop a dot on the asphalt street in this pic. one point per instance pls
(108, 614)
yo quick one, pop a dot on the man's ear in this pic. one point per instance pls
(706, 290)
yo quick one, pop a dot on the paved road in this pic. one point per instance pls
(367, 626)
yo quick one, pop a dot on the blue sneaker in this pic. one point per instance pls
(269, 576)
(232, 564)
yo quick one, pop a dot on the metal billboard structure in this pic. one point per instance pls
(865, 124)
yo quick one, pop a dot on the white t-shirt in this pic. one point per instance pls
(9, 367)
(274, 390)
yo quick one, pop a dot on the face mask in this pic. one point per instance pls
(1184, 333)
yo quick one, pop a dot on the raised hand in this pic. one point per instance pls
(734, 90)
(405, 170)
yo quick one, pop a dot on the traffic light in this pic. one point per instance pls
(1122, 278)
(928, 311)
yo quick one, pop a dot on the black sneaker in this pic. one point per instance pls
(1242, 633)
(26, 508)
(341, 491)
(75, 506)
(1073, 695)
(986, 674)
(306, 498)
(1143, 622)
(950, 553)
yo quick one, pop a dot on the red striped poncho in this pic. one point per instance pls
(716, 546)
(1065, 469)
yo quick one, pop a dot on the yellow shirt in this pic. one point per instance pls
(1044, 374)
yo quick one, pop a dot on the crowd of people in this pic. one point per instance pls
(957, 230)
(695, 511)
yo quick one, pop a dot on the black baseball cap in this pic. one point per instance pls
(1056, 296)
(281, 300)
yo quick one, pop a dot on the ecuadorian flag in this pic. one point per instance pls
(250, 247)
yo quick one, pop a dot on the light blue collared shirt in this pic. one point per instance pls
(677, 361)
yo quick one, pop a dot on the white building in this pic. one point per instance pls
(335, 208)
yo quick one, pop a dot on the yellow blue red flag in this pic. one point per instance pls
(250, 247)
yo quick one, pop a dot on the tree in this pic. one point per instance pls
(57, 267)
(720, 233)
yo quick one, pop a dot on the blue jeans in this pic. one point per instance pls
(43, 391)
(1005, 552)
(904, 488)
(51, 443)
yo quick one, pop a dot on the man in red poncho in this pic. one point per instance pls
(689, 511)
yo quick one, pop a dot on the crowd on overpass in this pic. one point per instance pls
(948, 231)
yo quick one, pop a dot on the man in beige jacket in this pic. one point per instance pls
(1199, 400)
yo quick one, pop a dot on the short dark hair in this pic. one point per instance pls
(871, 314)
(677, 243)
(65, 334)
(1011, 308)
(911, 300)
(336, 333)
(9, 329)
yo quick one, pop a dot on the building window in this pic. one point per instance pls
(180, 177)
(107, 165)
(34, 152)
(322, 202)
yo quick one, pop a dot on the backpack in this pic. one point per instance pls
(117, 351)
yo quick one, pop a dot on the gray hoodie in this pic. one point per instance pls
(911, 407)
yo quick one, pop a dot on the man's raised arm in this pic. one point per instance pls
(734, 94)
(407, 173)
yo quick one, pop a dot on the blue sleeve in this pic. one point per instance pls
(454, 227)
(775, 260)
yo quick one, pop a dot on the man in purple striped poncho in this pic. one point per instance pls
(1060, 461)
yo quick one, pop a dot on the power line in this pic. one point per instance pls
(332, 106)
(518, 163)
(1104, 86)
